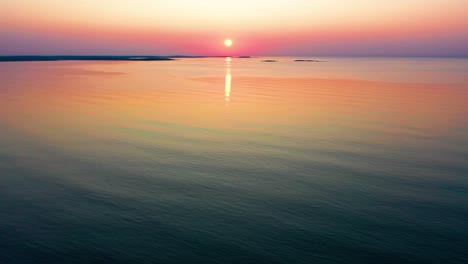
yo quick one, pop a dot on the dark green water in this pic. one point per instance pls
(214, 161)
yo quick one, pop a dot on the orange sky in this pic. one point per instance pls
(294, 27)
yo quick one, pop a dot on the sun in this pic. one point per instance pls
(228, 43)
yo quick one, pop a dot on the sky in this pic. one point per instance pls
(257, 27)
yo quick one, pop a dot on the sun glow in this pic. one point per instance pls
(228, 43)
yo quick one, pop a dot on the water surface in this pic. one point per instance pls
(348, 160)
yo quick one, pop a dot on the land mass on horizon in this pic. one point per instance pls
(82, 58)
(101, 57)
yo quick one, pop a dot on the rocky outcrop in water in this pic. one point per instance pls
(307, 61)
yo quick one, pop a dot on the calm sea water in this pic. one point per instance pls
(348, 160)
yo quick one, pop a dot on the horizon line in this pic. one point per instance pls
(235, 56)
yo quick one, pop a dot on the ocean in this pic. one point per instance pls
(234, 160)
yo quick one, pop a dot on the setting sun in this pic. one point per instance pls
(228, 43)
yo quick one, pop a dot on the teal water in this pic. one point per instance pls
(348, 160)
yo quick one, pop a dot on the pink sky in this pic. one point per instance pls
(261, 27)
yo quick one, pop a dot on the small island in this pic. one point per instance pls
(307, 61)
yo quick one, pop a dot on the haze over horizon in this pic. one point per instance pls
(298, 27)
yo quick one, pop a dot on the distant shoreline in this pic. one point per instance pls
(20, 58)
(84, 58)
(306, 58)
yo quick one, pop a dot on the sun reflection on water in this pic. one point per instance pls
(227, 85)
